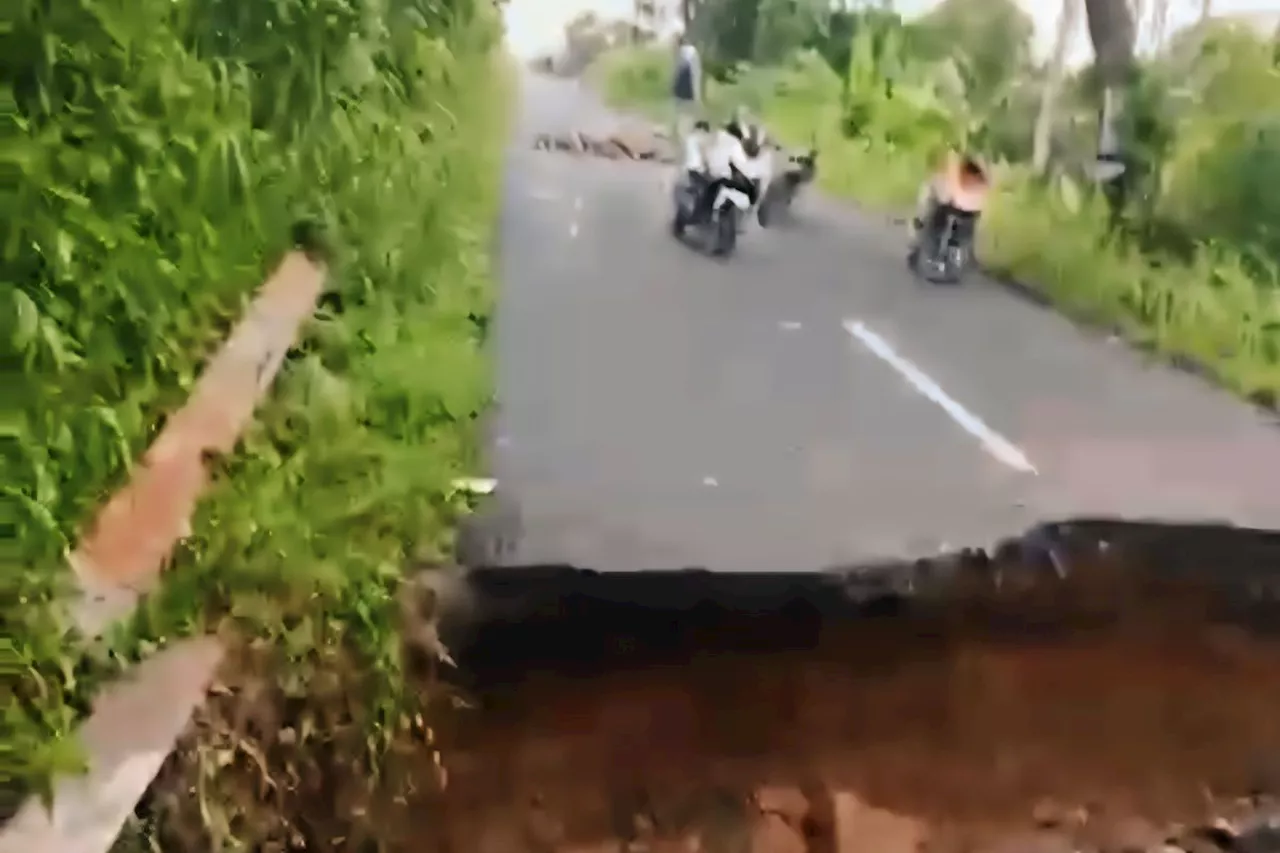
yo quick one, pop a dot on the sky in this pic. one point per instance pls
(536, 26)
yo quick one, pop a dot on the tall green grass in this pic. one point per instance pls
(163, 154)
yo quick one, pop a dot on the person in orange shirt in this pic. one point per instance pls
(961, 182)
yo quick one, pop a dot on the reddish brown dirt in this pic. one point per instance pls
(1128, 705)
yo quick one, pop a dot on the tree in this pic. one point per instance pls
(1111, 31)
(587, 35)
(1068, 22)
(784, 26)
(645, 15)
(725, 32)
(991, 39)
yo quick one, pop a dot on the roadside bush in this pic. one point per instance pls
(635, 77)
(159, 157)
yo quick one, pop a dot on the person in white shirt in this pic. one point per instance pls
(714, 159)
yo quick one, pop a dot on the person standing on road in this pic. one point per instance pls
(686, 88)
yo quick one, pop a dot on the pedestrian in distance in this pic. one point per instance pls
(686, 89)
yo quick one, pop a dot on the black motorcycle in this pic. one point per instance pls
(799, 171)
(944, 245)
(713, 209)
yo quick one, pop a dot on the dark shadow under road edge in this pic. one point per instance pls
(498, 620)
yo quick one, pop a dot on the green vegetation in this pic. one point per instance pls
(159, 157)
(1181, 257)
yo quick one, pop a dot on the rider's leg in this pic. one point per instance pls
(748, 187)
(711, 188)
(926, 202)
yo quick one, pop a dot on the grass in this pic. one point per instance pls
(1218, 310)
(384, 142)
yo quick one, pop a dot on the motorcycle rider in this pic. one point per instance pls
(715, 159)
(961, 182)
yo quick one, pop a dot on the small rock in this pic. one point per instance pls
(543, 831)
(787, 803)
(635, 145)
(863, 829)
(606, 149)
(771, 834)
(1050, 814)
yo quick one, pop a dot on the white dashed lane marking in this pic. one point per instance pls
(992, 442)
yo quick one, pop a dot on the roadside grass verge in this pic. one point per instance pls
(1218, 310)
(197, 163)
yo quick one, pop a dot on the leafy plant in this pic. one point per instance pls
(157, 158)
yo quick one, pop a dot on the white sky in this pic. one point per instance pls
(537, 25)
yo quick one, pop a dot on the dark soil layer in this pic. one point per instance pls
(1124, 691)
(1142, 684)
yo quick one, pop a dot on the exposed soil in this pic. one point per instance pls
(1107, 705)
(997, 708)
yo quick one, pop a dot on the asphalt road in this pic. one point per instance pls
(808, 403)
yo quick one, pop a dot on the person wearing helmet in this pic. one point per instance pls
(757, 175)
(961, 182)
(715, 159)
(746, 131)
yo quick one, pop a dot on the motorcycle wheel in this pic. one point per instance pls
(725, 231)
(764, 215)
(953, 266)
(677, 222)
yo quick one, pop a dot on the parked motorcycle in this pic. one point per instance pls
(717, 225)
(943, 250)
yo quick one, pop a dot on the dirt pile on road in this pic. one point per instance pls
(1092, 714)
(627, 143)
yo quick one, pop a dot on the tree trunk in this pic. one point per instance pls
(1159, 23)
(1206, 10)
(1068, 21)
(1111, 30)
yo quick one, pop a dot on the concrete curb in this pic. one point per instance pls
(137, 721)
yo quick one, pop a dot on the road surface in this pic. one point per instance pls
(808, 404)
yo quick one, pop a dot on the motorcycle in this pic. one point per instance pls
(719, 222)
(799, 171)
(718, 226)
(944, 249)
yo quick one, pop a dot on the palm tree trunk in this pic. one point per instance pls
(1111, 30)
(1068, 21)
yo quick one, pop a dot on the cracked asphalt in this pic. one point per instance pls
(809, 403)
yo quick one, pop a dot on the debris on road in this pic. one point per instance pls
(632, 143)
